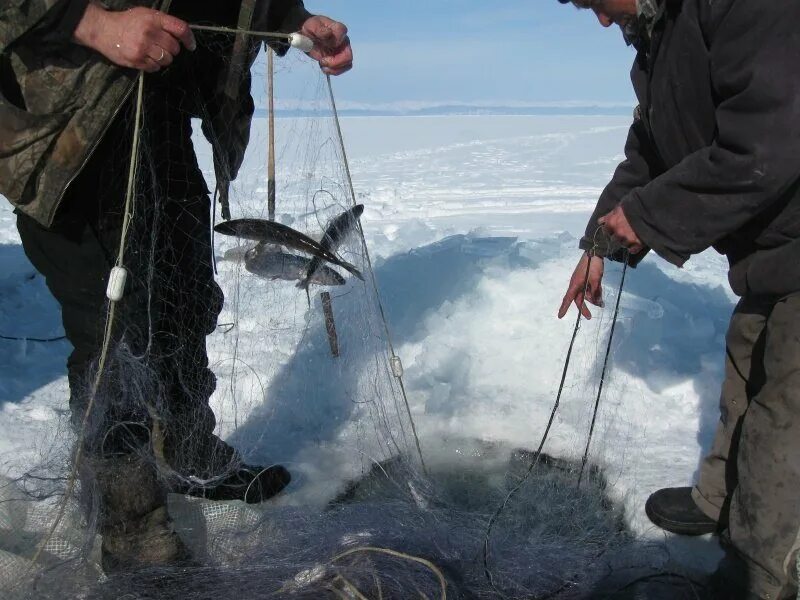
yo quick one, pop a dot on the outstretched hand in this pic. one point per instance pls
(585, 285)
(331, 45)
(139, 38)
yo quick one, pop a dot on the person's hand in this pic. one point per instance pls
(139, 38)
(618, 227)
(582, 288)
(331, 45)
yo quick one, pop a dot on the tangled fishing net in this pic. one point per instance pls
(303, 375)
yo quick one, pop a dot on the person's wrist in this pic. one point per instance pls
(89, 31)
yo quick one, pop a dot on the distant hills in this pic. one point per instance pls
(421, 109)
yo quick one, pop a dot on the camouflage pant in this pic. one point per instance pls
(750, 480)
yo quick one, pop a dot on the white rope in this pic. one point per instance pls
(261, 34)
(109, 327)
(403, 556)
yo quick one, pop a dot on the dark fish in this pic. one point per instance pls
(335, 233)
(265, 261)
(271, 232)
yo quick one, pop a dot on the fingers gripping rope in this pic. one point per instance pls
(295, 40)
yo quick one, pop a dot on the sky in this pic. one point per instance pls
(471, 51)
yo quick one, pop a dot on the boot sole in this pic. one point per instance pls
(679, 527)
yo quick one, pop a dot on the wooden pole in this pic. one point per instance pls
(330, 324)
(271, 164)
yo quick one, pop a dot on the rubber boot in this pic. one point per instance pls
(673, 509)
(249, 483)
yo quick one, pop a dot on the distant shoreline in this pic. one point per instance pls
(465, 111)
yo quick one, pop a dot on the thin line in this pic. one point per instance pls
(262, 34)
(603, 372)
(487, 539)
(372, 272)
(110, 318)
(31, 339)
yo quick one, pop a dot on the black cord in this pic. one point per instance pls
(30, 339)
(486, 566)
(535, 462)
(214, 231)
(603, 372)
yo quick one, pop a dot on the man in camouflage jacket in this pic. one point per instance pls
(68, 69)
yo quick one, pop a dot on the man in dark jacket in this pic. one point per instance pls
(713, 160)
(67, 74)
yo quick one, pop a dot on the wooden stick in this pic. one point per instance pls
(330, 324)
(271, 164)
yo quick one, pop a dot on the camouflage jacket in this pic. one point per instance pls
(58, 98)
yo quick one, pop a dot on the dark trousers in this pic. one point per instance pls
(751, 478)
(157, 376)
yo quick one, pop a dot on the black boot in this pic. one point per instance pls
(673, 509)
(249, 483)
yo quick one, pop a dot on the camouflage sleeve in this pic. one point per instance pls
(18, 17)
(62, 24)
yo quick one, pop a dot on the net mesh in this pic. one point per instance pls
(214, 341)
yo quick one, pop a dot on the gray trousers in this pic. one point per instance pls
(750, 480)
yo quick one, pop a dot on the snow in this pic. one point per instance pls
(473, 224)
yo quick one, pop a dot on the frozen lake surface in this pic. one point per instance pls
(473, 224)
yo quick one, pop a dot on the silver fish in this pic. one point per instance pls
(335, 233)
(237, 253)
(265, 261)
(272, 232)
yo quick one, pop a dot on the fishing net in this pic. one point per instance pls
(276, 344)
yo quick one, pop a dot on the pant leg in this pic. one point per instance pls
(743, 378)
(171, 304)
(765, 506)
(190, 302)
(75, 264)
(75, 270)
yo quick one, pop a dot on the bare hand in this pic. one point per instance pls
(139, 38)
(618, 227)
(331, 45)
(583, 288)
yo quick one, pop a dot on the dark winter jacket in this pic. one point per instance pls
(713, 157)
(58, 98)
